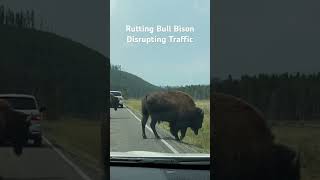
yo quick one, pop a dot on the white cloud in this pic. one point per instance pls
(202, 6)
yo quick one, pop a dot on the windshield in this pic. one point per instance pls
(163, 71)
(21, 103)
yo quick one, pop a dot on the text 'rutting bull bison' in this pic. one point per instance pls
(175, 107)
(14, 126)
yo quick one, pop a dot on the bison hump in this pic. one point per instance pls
(170, 100)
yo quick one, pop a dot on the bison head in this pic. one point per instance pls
(17, 128)
(286, 163)
(196, 123)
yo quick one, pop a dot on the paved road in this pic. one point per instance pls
(126, 135)
(37, 163)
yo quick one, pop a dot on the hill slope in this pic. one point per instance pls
(66, 76)
(131, 85)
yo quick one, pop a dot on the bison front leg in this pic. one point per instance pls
(153, 127)
(174, 130)
(183, 133)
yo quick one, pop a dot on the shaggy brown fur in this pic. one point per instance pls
(243, 144)
(175, 107)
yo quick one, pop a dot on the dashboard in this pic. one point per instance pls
(149, 173)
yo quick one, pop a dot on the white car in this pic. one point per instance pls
(118, 94)
(28, 104)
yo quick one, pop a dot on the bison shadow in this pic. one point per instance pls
(173, 139)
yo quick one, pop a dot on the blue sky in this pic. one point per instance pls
(171, 64)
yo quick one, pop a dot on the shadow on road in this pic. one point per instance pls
(7, 145)
(174, 140)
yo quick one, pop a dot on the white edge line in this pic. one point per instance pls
(162, 140)
(75, 167)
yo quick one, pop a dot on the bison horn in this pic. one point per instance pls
(200, 111)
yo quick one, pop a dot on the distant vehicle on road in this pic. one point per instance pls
(114, 102)
(118, 94)
(28, 105)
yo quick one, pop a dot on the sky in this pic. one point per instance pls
(169, 64)
(84, 21)
(266, 37)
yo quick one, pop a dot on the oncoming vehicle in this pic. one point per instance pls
(118, 94)
(28, 105)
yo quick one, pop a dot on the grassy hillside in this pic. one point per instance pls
(131, 85)
(66, 76)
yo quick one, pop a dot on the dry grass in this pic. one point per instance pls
(78, 136)
(307, 141)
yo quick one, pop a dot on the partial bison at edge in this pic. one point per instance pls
(13, 126)
(175, 107)
(244, 147)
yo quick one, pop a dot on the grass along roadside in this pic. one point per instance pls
(305, 140)
(202, 141)
(76, 136)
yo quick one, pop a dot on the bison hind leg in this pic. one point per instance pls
(153, 127)
(143, 124)
(174, 131)
(183, 133)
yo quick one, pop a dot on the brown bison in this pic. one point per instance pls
(14, 126)
(243, 145)
(114, 102)
(175, 107)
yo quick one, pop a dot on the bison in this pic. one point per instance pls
(114, 102)
(14, 126)
(175, 107)
(243, 144)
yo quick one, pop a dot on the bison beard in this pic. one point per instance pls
(13, 126)
(244, 147)
(175, 107)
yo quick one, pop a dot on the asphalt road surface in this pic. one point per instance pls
(126, 135)
(38, 163)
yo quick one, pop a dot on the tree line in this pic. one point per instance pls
(200, 92)
(133, 86)
(294, 96)
(24, 19)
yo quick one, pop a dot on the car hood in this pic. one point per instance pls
(148, 154)
(29, 112)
